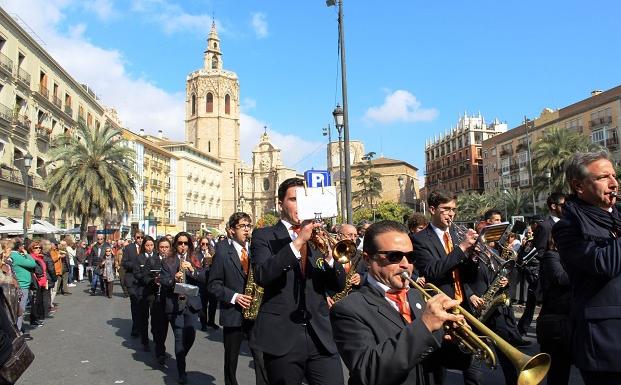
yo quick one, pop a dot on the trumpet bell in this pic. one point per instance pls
(534, 369)
(344, 251)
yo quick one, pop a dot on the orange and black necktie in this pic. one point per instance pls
(448, 247)
(245, 263)
(400, 297)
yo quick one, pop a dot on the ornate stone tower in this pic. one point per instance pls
(212, 117)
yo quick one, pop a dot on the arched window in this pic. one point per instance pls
(214, 63)
(193, 104)
(52, 216)
(227, 104)
(209, 102)
(38, 210)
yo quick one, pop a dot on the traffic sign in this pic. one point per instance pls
(317, 178)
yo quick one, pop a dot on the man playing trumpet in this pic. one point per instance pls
(384, 330)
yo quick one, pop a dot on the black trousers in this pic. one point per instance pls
(600, 378)
(500, 322)
(159, 326)
(208, 313)
(308, 359)
(560, 366)
(449, 356)
(184, 328)
(140, 317)
(532, 278)
(37, 309)
(233, 337)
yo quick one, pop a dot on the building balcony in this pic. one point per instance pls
(506, 152)
(81, 120)
(57, 102)
(612, 143)
(156, 166)
(23, 76)
(11, 175)
(6, 113)
(6, 64)
(69, 111)
(43, 91)
(21, 128)
(600, 121)
(146, 162)
(43, 133)
(166, 202)
(166, 169)
(521, 147)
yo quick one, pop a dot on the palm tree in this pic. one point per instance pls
(93, 174)
(551, 152)
(515, 200)
(473, 205)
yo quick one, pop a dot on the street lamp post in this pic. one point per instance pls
(548, 176)
(338, 122)
(528, 123)
(27, 164)
(344, 115)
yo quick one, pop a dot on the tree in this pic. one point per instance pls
(472, 205)
(382, 211)
(268, 219)
(369, 183)
(515, 200)
(93, 174)
(551, 152)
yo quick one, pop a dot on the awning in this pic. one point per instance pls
(40, 226)
(10, 226)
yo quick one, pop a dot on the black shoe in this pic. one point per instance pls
(36, 324)
(183, 379)
(203, 328)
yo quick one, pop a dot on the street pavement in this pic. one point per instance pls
(87, 342)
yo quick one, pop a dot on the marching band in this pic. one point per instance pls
(406, 303)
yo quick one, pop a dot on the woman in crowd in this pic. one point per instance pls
(71, 253)
(209, 304)
(8, 281)
(118, 260)
(80, 256)
(38, 304)
(108, 268)
(23, 265)
(182, 309)
(64, 265)
(46, 248)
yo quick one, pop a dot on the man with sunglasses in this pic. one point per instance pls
(293, 328)
(385, 331)
(443, 259)
(133, 263)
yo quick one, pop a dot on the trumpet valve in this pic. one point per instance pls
(343, 259)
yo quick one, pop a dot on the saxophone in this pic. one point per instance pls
(256, 292)
(495, 295)
(353, 267)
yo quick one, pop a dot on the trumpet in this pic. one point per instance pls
(531, 370)
(343, 251)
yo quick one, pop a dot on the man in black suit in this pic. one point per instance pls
(293, 327)
(542, 236)
(589, 243)
(227, 280)
(442, 258)
(383, 330)
(132, 263)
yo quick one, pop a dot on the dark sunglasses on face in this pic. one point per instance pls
(37, 247)
(396, 256)
(204, 244)
(138, 237)
(180, 243)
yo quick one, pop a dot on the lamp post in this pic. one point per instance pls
(528, 123)
(27, 164)
(548, 176)
(344, 115)
(338, 122)
(151, 221)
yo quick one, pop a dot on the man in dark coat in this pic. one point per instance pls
(588, 241)
(133, 262)
(227, 280)
(293, 327)
(94, 260)
(383, 330)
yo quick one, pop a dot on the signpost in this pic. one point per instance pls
(317, 178)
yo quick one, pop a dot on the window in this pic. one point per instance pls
(89, 120)
(505, 165)
(52, 215)
(227, 104)
(14, 203)
(193, 105)
(214, 63)
(522, 159)
(524, 178)
(38, 211)
(599, 137)
(209, 102)
(41, 167)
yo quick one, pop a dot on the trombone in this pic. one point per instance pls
(531, 370)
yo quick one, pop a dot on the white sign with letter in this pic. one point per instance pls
(314, 202)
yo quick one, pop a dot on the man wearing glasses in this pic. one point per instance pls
(227, 280)
(131, 264)
(385, 330)
(442, 258)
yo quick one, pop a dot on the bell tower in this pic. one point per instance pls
(212, 116)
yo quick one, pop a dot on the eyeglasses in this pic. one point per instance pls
(396, 256)
(243, 225)
(36, 247)
(183, 243)
(138, 237)
(448, 209)
(204, 243)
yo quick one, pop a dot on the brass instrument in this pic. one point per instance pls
(342, 251)
(495, 295)
(256, 292)
(353, 267)
(531, 370)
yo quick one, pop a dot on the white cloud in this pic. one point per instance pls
(102, 8)
(172, 18)
(139, 103)
(259, 23)
(295, 150)
(248, 104)
(400, 106)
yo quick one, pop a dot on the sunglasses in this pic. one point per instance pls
(183, 243)
(396, 256)
(138, 237)
(204, 244)
(37, 247)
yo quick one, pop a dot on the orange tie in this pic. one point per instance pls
(303, 251)
(448, 247)
(401, 299)
(244, 260)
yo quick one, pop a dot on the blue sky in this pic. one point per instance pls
(412, 66)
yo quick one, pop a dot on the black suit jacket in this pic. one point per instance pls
(542, 235)
(225, 279)
(432, 262)
(375, 342)
(130, 264)
(151, 269)
(287, 292)
(95, 257)
(172, 304)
